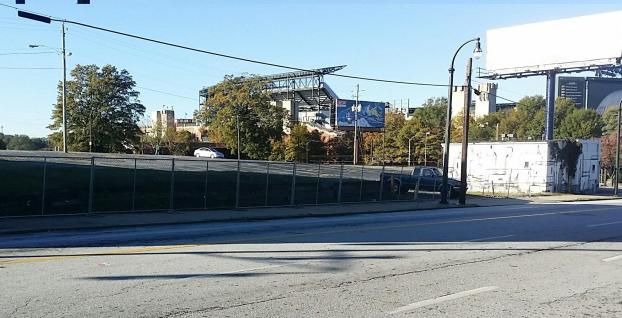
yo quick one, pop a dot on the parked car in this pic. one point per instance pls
(208, 153)
(428, 179)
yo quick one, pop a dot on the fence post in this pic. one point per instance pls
(205, 187)
(134, 187)
(340, 183)
(362, 180)
(492, 186)
(45, 166)
(172, 194)
(381, 183)
(237, 187)
(416, 193)
(267, 183)
(399, 186)
(293, 194)
(317, 185)
(91, 182)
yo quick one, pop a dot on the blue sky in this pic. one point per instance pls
(401, 40)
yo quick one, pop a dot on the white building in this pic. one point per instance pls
(482, 104)
(524, 167)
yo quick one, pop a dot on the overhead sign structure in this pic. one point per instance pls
(558, 44)
(370, 116)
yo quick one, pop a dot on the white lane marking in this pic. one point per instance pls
(611, 259)
(489, 238)
(252, 269)
(603, 224)
(441, 299)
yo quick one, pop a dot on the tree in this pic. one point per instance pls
(102, 106)
(341, 148)
(295, 149)
(278, 151)
(20, 142)
(393, 142)
(610, 120)
(316, 148)
(608, 154)
(2, 143)
(182, 143)
(243, 102)
(580, 124)
(432, 113)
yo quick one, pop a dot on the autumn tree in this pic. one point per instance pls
(102, 107)
(243, 103)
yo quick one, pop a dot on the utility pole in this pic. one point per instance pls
(64, 89)
(237, 124)
(356, 119)
(465, 135)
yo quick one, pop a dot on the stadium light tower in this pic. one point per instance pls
(477, 52)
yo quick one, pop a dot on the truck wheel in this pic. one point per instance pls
(395, 187)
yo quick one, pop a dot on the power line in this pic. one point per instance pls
(166, 93)
(26, 53)
(184, 47)
(28, 68)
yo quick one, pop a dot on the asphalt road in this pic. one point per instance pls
(538, 260)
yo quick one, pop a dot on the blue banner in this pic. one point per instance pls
(370, 115)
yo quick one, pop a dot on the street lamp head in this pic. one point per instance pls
(477, 53)
(32, 46)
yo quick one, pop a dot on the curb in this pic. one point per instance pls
(240, 218)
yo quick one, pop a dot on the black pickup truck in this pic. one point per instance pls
(426, 178)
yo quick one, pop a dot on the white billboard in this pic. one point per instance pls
(574, 42)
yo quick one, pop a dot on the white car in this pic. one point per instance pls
(208, 153)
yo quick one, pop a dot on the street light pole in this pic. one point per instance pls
(64, 90)
(425, 148)
(409, 140)
(617, 176)
(356, 119)
(237, 124)
(476, 52)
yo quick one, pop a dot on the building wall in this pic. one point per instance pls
(523, 167)
(486, 102)
(482, 105)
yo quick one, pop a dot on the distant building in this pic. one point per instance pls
(162, 120)
(481, 105)
(505, 106)
(192, 126)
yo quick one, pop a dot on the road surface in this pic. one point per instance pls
(537, 260)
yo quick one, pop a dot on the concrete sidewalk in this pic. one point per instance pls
(110, 220)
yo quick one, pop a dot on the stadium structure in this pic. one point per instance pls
(305, 95)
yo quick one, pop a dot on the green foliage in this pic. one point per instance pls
(295, 149)
(102, 103)
(182, 142)
(341, 148)
(610, 120)
(243, 101)
(278, 151)
(580, 124)
(21, 142)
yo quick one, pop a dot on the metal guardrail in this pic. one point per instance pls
(80, 184)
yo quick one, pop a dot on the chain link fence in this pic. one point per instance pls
(80, 184)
